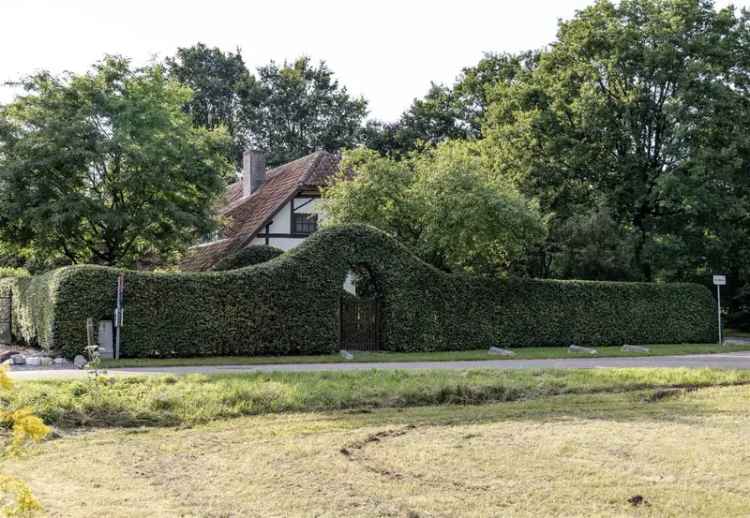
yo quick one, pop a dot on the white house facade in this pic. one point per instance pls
(294, 223)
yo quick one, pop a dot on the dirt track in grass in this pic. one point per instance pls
(682, 453)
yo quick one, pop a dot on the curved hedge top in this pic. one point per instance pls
(248, 256)
(289, 305)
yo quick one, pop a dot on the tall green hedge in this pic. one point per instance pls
(288, 305)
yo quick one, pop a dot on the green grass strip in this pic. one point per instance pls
(172, 401)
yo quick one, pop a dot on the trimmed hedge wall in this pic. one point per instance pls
(248, 256)
(289, 305)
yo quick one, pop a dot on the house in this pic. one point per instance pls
(279, 207)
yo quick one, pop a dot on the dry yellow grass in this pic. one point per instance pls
(686, 454)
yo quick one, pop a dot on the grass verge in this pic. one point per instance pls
(191, 399)
(524, 353)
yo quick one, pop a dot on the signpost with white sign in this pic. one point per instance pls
(119, 313)
(719, 281)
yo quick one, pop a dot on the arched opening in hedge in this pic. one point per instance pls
(360, 281)
(361, 311)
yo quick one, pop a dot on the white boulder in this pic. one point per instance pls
(579, 349)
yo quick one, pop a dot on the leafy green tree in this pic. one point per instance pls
(444, 204)
(428, 122)
(474, 88)
(298, 108)
(643, 102)
(589, 245)
(106, 167)
(220, 83)
(447, 113)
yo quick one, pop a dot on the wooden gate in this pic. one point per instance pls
(360, 324)
(6, 320)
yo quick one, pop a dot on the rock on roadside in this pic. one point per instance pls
(500, 351)
(79, 362)
(579, 349)
(635, 349)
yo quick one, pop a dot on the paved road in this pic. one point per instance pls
(739, 360)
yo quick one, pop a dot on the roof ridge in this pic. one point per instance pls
(313, 166)
(276, 170)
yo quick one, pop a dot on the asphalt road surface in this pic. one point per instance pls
(740, 360)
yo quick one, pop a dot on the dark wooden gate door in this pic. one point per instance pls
(360, 324)
(6, 320)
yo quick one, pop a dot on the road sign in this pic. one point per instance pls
(719, 281)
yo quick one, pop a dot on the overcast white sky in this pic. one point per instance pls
(387, 50)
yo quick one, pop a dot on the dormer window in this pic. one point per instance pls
(304, 223)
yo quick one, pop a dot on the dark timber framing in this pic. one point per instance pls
(311, 197)
(291, 234)
(267, 235)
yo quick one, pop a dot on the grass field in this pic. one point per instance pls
(523, 353)
(650, 452)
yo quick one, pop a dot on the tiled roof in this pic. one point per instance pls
(203, 257)
(247, 215)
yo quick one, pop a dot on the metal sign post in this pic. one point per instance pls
(118, 321)
(719, 281)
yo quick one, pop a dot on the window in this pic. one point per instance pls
(210, 238)
(304, 223)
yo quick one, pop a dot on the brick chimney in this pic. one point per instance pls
(253, 171)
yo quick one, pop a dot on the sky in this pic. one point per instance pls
(387, 51)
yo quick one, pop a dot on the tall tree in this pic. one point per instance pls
(443, 203)
(298, 108)
(106, 167)
(428, 122)
(220, 83)
(475, 86)
(446, 113)
(643, 102)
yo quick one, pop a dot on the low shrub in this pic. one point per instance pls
(289, 305)
(248, 256)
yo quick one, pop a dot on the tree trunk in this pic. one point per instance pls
(643, 266)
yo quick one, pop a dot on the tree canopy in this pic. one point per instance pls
(221, 84)
(447, 113)
(298, 108)
(105, 167)
(641, 106)
(287, 110)
(444, 204)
